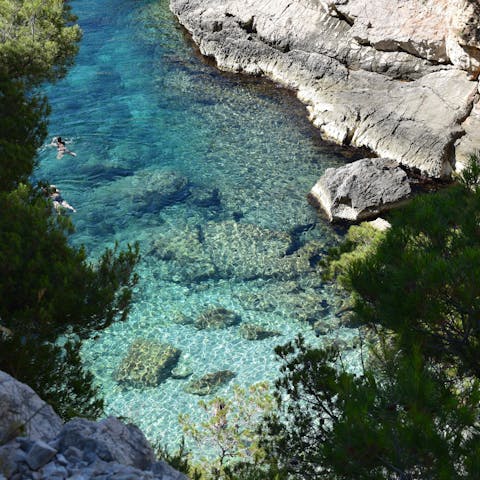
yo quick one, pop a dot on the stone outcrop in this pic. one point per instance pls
(395, 76)
(80, 449)
(361, 189)
(23, 411)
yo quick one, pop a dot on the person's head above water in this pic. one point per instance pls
(59, 139)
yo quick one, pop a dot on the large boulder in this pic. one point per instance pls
(147, 363)
(44, 449)
(24, 412)
(361, 189)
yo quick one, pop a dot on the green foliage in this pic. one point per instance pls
(38, 40)
(23, 127)
(54, 372)
(360, 241)
(48, 289)
(407, 420)
(47, 286)
(180, 459)
(422, 281)
(230, 430)
(470, 175)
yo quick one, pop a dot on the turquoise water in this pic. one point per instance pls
(209, 172)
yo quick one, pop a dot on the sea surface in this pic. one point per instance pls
(209, 172)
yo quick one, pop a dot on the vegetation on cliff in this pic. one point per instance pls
(51, 295)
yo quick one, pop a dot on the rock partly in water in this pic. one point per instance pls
(147, 363)
(217, 317)
(250, 331)
(361, 189)
(24, 412)
(209, 383)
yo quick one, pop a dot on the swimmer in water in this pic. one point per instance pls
(61, 148)
(57, 200)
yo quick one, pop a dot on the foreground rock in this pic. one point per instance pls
(209, 383)
(80, 450)
(395, 76)
(361, 189)
(147, 363)
(23, 411)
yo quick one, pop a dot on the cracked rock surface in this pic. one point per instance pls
(80, 449)
(395, 76)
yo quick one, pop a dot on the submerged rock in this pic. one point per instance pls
(217, 317)
(250, 331)
(361, 189)
(147, 363)
(205, 197)
(209, 383)
(230, 249)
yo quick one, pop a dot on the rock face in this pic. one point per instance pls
(395, 76)
(361, 189)
(24, 412)
(147, 363)
(80, 449)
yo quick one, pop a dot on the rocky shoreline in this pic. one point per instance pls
(398, 77)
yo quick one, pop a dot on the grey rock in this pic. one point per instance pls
(8, 461)
(61, 460)
(166, 472)
(147, 363)
(361, 189)
(111, 440)
(23, 411)
(39, 455)
(53, 471)
(72, 453)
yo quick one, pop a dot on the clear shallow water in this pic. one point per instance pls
(209, 172)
